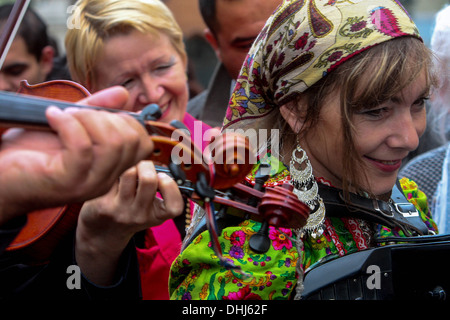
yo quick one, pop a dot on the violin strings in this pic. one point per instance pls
(212, 223)
(212, 227)
(211, 220)
(213, 233)
(213, 230)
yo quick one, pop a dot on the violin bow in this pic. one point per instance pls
(11, 27)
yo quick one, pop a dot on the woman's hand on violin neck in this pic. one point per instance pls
(150, 198)
(106, 224)
(132, 204)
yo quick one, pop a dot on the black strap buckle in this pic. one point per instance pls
(408, 210)
(386, 211)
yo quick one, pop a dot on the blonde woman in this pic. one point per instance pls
(137, 45)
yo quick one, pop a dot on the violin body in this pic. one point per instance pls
(43, 231)
(231, 162)
(228, 159)
(63, 90)
(46, 228)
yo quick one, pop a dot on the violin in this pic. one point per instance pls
(211, 179)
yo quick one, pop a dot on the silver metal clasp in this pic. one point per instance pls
(384, 213)
(407, 210)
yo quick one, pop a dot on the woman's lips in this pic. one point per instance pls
(164, 110)
(385, 165)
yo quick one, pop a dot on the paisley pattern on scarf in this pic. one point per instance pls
(305, 40)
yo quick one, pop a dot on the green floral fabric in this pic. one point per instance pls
(197, 272)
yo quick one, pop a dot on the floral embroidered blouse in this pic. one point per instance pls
(197, 273)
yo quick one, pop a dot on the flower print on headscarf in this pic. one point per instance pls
(385, 22)
(303, 41)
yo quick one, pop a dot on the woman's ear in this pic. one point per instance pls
(289, 114)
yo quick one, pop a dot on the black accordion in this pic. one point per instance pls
(415, 268)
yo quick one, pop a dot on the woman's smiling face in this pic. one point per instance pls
(150, 69)
(382, 136)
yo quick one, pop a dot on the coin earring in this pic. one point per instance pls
(307, 191)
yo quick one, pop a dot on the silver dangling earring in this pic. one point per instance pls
(307, 191)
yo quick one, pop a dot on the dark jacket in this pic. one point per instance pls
(55, 280)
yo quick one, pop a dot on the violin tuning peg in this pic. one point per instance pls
(260, 241)
(261, 176)
(152, 112)
(179, 125)
(177, 173)
(203, 189)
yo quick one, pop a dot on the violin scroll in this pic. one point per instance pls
(280, 207)
(233, 158)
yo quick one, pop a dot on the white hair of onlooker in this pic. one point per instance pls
(440, 101)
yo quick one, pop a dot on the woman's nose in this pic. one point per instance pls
(406, 132)
(151, 91)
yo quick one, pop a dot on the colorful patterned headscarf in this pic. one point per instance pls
(303, 41)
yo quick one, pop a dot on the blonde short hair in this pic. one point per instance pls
(97, 20)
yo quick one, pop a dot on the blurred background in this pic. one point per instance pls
(203, 59)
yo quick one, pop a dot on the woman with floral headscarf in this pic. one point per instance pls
(344, 84)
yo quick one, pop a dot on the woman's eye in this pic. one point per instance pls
(244, 45)
(165, 64)
(375, 113)
(164, 67)
(127, 83)
(421, 102)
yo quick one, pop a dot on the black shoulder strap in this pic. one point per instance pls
(396, 213)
